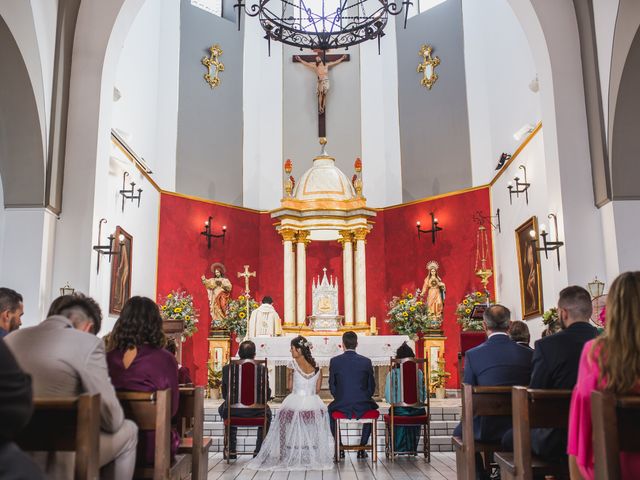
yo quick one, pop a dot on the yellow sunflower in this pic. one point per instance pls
(465, 301)
(402, 302)
(242, 315)
(410, 296)
(413, 309)
(418, 303)
(478, 294)
(177, 310)
(187, 318)
(164, 307)
(405, 314)
(241, 298)
(468, 310)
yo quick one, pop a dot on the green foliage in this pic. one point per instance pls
(409, 315)
(237, 315)
(178, 305)
(465, 308)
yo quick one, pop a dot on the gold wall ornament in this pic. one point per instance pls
(428, 66)
(214, 66)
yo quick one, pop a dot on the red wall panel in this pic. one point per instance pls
(396, 259)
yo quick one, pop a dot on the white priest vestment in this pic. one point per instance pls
(264, 322)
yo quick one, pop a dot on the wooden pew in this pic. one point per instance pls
(615, 429)
(152, 411)
(66, 425)
(478, 401)
(191, 429)
(534, 409)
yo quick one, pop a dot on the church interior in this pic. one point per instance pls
(252, 185)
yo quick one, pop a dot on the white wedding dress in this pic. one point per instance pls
(299, 438)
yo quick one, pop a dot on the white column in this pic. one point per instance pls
(347, 274)
(361, 277)
(289, 277)
(301, 277)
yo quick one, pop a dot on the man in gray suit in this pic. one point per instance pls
(65, 358)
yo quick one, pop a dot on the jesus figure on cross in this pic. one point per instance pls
(321, 69)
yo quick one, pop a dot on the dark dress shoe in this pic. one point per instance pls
(233, 456)
(362, 454)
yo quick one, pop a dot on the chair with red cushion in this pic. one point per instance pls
(247, 389)
(370, 416)
(407, 383)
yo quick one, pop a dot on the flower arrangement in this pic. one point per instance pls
(465, 308)
(409, 315)
(178, 305)
(551, 320)
(214, 382)
(238, 313)
(439, 376)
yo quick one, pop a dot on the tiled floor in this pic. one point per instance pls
(442, 467)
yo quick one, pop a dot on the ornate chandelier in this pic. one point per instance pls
(323, 24)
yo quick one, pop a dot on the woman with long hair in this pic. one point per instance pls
(139, 362)
(609, 363)
(300, 438)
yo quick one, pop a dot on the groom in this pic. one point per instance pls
(352, 384)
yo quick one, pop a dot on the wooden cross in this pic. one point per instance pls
(326, 58)
(246, 274)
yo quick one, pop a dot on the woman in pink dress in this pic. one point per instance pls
(612, 363)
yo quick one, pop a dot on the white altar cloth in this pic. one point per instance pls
(378, 348)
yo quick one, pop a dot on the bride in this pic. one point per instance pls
(300, 438)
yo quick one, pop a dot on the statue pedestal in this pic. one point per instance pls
(433, 350)
(325, 323)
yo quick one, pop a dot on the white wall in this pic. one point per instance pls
(621, 229)
(26, 258)
(499, 67)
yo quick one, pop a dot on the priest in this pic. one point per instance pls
(264, 321)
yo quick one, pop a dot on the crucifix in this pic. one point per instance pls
(320, 63)
(246, 274)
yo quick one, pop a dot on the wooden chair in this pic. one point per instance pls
(534, 409)
(478, 401)
(247, 389)
(407, 382)
(615, 429)
(371, 417)
(152, 411)
(66, 425)
(460, 369)
(190, 419)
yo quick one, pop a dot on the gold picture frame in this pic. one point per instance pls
(529, 269)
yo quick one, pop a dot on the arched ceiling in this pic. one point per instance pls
(22, 157)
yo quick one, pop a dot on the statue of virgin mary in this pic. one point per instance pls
(433, 290)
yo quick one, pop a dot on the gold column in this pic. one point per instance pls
(288, 236)
(361, 276)
(346, 239)
(301, 276)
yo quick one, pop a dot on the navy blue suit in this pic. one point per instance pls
(497, 362)
(352, 385)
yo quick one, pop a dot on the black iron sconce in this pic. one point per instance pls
(520, 187)
(435, 228)
(548, 245)
(494, 220)
(106, 249)
(207, 232)
(129, 193)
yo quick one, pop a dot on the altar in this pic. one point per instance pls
(276, 350)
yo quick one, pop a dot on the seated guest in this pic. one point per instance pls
(352, 385)
(184, 377)
(139, 363)
(11, 310)
(65, 358)
(497, 362)
(405, 438)
(519, 333)
(555, 362)
(247, 350)
(16, 406)
(609, 363)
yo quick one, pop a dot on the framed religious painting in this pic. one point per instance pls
(529, 269)
(120, 271)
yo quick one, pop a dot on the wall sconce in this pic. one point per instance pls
(548, 245)
(480, 218)
(520, 187)
(67, 289)
(207, 232)
(129, 193)
(435, 228)
(106, 249)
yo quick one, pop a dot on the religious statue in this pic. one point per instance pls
(219, 290)
(434, 290)
(321, 69)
